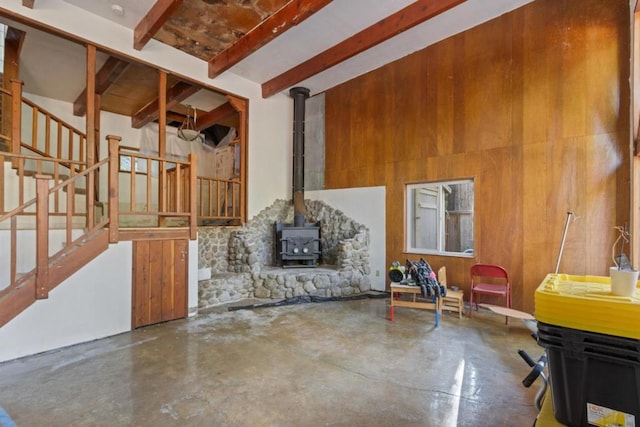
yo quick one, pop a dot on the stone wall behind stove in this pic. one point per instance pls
(242, 260)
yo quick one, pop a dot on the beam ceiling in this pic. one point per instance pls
(291, 14)
(412, 15)
(153, 21)
(109, 73)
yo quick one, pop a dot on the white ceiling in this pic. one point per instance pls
(335, 22)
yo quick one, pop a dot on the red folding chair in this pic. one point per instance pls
(489, 279)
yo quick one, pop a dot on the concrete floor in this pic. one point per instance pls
(334, 363)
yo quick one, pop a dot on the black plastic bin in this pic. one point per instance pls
(595, 378)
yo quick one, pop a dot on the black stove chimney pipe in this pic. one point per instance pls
(299, 95)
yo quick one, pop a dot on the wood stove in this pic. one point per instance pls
(298, 244)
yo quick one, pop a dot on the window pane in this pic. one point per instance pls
(440, 217)
(459, 217)
(426, 219)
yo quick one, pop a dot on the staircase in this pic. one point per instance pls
(48, 227)
(51, 221)
(30, 286)
(47, 221)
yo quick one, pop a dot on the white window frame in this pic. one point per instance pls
(439, 188)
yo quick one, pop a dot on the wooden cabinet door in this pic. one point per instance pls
(159, 281)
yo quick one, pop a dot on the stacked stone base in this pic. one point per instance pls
(223, 288)
(241, 259)
(317, 282)
(281, 284)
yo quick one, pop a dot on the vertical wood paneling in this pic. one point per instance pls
(534, 105)
(155, 281)
(141, 291)
(160, 280)
(168, 279)
(440, 89)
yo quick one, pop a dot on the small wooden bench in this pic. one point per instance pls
(454, 302)
(396, 301)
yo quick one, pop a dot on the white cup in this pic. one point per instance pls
(623, 282)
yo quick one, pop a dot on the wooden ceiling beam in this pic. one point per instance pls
(172, 116)
(150, 112)
(216, 115)
(149, 25)
(290, 15)
(240, 104)
(412, 15)
(109, 73)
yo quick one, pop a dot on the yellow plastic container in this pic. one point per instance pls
(586, 303)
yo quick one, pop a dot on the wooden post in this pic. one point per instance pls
(13, 41)
(162, 144)
(241, 106)
(90, 146)
(42, 236)
(193, 179)
(96, 139)
(114, 163)
(16, 119)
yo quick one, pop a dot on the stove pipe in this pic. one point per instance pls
(299, 95)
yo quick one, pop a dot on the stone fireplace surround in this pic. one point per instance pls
(242, 262)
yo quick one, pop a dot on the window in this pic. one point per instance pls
(440, 218)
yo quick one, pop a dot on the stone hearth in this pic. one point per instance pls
(242, 262)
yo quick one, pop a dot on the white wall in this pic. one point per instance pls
(270, 152)
(366, 206)
(93, 303)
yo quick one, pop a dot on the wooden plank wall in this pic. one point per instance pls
(534, 105)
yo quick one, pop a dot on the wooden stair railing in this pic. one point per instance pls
(50, 136)
(69, 143)
(217, 200)
(49, 270)
(54, 169)
(176, 197)
(162, 191)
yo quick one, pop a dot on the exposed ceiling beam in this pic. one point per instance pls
(240, 104)
(172, 116)
(216, 115)
(153, 21)
(109, 73)
(291, 14)
(412, 15)
(28, 3)
(150, 112)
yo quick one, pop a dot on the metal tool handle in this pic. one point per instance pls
(564, 237)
